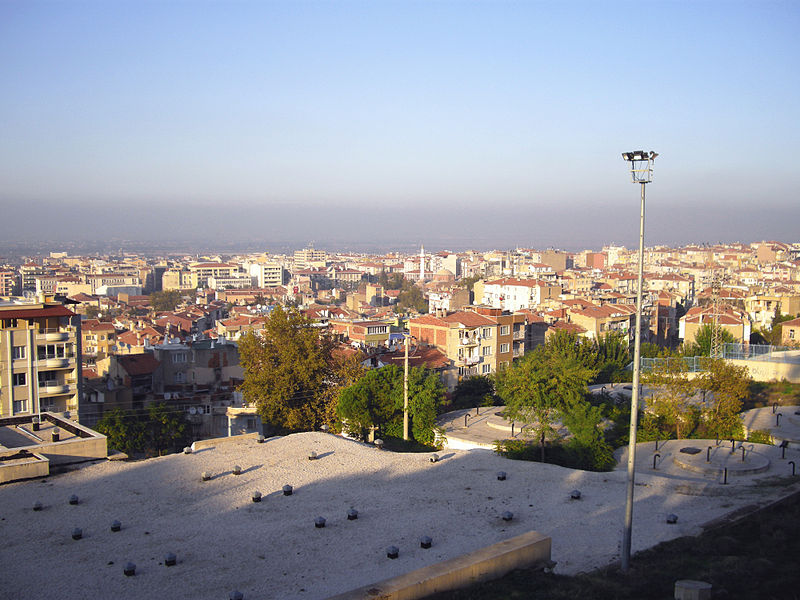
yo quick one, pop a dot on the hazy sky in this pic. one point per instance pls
(450, 123)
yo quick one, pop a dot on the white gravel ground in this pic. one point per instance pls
(224, 541)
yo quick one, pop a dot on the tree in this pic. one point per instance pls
(162, 429)
(376, 400)
(368, 402)
(567, 345)
(587, 443)
(469, 282)
(701, 346)
(166, 301)
(544, 385)
(288, 369)
(124, 431)
(477, 390)
(412, 297)
(168, 430)
(774, 335)
(613, 357)
(728, 385)
(671, 405)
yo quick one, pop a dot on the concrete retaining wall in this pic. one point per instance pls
(223, 440)
(761, 370)
(34, 466)
(523, 551)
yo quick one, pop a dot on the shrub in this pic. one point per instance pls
(760, 436)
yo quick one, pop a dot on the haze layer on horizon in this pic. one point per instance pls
(456, 124)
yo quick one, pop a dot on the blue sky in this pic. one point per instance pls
(453, 123)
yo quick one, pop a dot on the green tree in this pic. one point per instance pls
(288, 369)
(701, 346)
(167, 429)
(162, 429)
(469, 282)
(477, 390)
(613, 357)
(545, 385)
(773, 335)
(376, 400)
(671, 408)
(124, 431)
(728, 385)
(167, 300)
(566, 345)
(587, 442)
(412, 297)
(368, 402)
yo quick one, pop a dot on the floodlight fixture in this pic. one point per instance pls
(641, 165)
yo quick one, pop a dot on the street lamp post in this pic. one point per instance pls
(641, 173)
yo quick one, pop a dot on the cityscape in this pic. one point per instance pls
(351, 300)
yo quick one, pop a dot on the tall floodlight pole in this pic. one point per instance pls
(641, 173)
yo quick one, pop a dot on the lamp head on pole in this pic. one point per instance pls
(641, 165)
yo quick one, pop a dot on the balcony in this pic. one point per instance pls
(469, 360)
(470, 341)
(57, 362)
(55, 388)
(54, 335)
(519, 334)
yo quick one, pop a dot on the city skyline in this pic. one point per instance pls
(463, 124)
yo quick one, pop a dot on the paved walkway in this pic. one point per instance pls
(782, 422)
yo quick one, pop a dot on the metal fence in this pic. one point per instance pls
(694, 364)
(761, 352)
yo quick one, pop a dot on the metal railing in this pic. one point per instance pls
(730, 351)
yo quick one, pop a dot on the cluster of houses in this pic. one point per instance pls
(484, 309)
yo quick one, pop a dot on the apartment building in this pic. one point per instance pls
(40, 345)
(467, 338)
(99, 338)
(178, 279)
(8, 282)
(513, 294)
(268, 274)
(309, 257)
(202, 271)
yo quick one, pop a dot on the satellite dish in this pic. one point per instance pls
(192, 410)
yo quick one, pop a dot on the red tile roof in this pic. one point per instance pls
(139, 364)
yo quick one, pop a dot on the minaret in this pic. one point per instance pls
(421, 262)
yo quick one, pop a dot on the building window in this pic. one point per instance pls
(486, 369)
(504, 330)
(179, 357)
(18, 352)
(504, 348)
(791, 334)
(486, 333)
(18, 379)
(487, 350)
(21, 406)
(180, 377)
(46, 376)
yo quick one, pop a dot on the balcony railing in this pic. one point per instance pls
(55, 388)
(469, 360)
(518, 335)
(59, 334)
